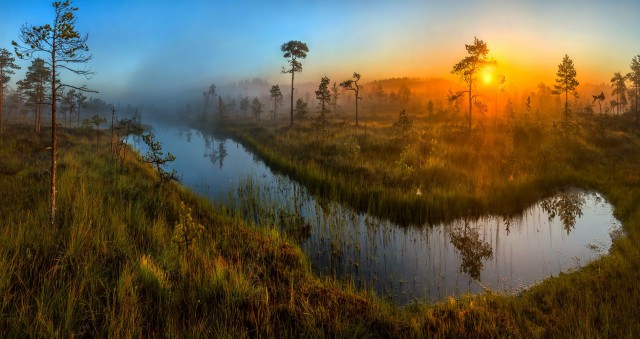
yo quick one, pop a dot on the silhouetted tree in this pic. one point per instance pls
(379, 94)
(403, 124)
(544, 96)
(430, 108)
(276, 95)
(599, 98)
(208, 96)
(619, 90)
(324, 98)
(63, 45)
(7, 67)
(34, 86)
(404, 94)
(232, 106)
(469, 67)
(509, 112)
(566, 83)
(222, 109)
(335, 94)
(245, 105)
(634, 77)
(256, 108)
(301, 109)
(294, 50)
(352, 85)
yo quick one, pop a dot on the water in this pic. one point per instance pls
(430, 263)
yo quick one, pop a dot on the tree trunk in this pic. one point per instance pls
(53, 135)
(292, 75)
(637, 92)
(356, 93)
(566, 106)
(470, 104)
(1, 104)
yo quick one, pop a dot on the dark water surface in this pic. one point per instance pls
(505, 254)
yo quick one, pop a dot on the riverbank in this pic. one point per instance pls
(435, 174)
(496, 169)
(111, 268)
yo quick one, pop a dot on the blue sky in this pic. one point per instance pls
(147, 48)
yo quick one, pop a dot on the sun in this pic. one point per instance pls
(487, 77)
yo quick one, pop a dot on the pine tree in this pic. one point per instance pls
(566, 83)
(34, 87)
(619, 90)
(276, 95)
(469, 67)
(7, 67)
(352, 85)
(63, 45)
(294, 50)
(634, 77)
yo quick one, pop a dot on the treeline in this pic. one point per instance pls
(425, 98)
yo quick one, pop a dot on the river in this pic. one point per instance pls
(429, 263)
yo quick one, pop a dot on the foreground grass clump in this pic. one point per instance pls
(110, 268)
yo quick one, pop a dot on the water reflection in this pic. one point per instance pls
(471, 247)
(503, 253)
(217, 155)
(567, 206)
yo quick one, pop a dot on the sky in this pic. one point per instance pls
(170, 49)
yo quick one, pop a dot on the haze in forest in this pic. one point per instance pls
(160, 53)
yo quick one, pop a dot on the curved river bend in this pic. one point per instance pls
(430, 263)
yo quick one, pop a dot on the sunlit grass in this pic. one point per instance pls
(111, 269)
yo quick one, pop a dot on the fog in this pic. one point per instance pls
(163, 55)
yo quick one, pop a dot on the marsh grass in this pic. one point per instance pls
(498, 168)
(111, 269)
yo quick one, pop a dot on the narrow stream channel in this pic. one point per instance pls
(430, 263)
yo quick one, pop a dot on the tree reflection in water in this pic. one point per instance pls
(217, 156)
(472, 249)
(567, 206)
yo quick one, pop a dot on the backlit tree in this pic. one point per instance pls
(294, 50)
(619, 90)
(352, 85)
(468, 69)
(276, 95)
(256, 108)
(634, 77)
(324, 98)
(566, 83)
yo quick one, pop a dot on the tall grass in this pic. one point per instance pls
(110, 268)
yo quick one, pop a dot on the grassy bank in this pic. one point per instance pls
(438, 172)
(110, 268)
